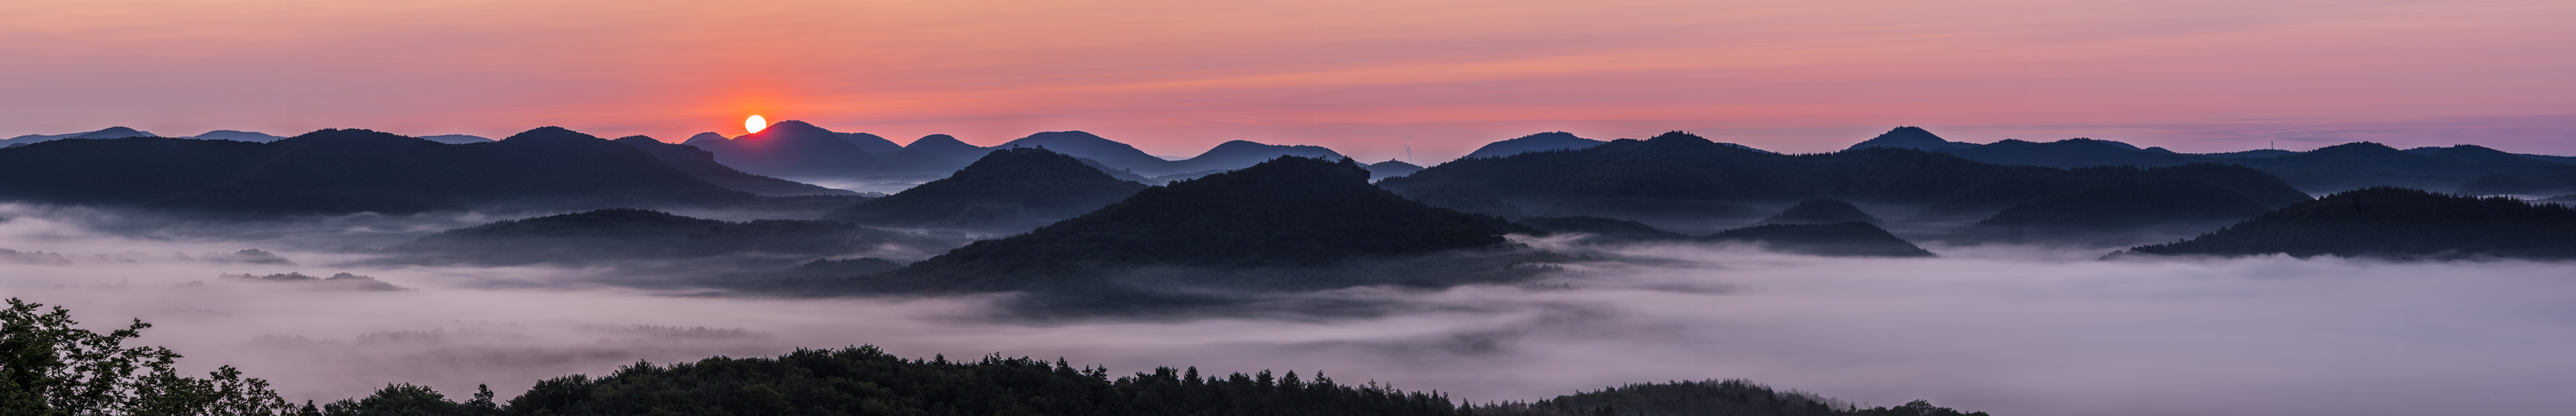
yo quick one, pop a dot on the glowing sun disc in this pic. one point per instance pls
(755, 123)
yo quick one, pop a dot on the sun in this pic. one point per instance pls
(755, 123)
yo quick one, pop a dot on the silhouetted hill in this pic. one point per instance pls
(1850, 239)
(348, 171)
(1391, 168)
(946, 146)
(1008, 190)
(2329, 169)
(788, 149)
(1703, 398)
(1239, 154)
(1599, 228)
(702, 165)
(1909, 137)
(1088, 146)
(873, 144)
(2365, 164)
(614, 236)
(107, 133)
(1679, 181)
(1822, 211)
(2394, 223)
(458, 139)
(239, 136)
(1541, 142)
(1288, 212)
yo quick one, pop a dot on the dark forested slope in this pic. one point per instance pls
(1290, 211)
(1009, 190)
(2395, 223)
(1848, 239)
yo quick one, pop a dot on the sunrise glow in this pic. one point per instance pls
(755, 123)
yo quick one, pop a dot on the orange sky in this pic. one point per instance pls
(1363, 77)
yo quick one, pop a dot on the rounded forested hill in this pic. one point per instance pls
(1822, 211)
(1848, 239)
(1009, 190)
(2395, 223)
(1290, 211)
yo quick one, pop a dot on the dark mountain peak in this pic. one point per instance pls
(2356, 149)
(1541, 142)
(1287, 170)
(945, 147)
(1392, 163)
(348, 136)
(117, 132)
(705, 137)
(1678, 137)
(1290, 211)
(1028, 163)
(1008, 190)
(549, 134)
(941, 140)
(457, 139)
(1909, 137)
(1063, 137)
(1848, 239)
(237, 135)
(636, 139)
(2111, 143)
(1822, 211)
(871, 143)
(793, 126)
(1553, 135)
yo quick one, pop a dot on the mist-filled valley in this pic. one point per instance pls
(1545, 275)
(2007, 329)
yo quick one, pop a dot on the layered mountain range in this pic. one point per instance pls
(2462, 168)
(343, 171)
(1684, 182)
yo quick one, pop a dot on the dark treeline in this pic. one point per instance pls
(2393, 223)
(1702, 398)
(865, 380)
(49, 366)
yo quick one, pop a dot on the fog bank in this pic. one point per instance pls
(2008, 330)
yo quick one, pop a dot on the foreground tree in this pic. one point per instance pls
(49, 367)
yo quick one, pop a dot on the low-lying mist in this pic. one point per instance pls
(2004, 329)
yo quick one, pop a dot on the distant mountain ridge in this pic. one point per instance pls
(1008, 190)
(702, 165)
(2324, 170)
(347, 171)
(1682, 181)
(797, 150)
(118, 132)
(1540, 142)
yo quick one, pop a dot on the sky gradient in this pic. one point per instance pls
(1368, 78)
